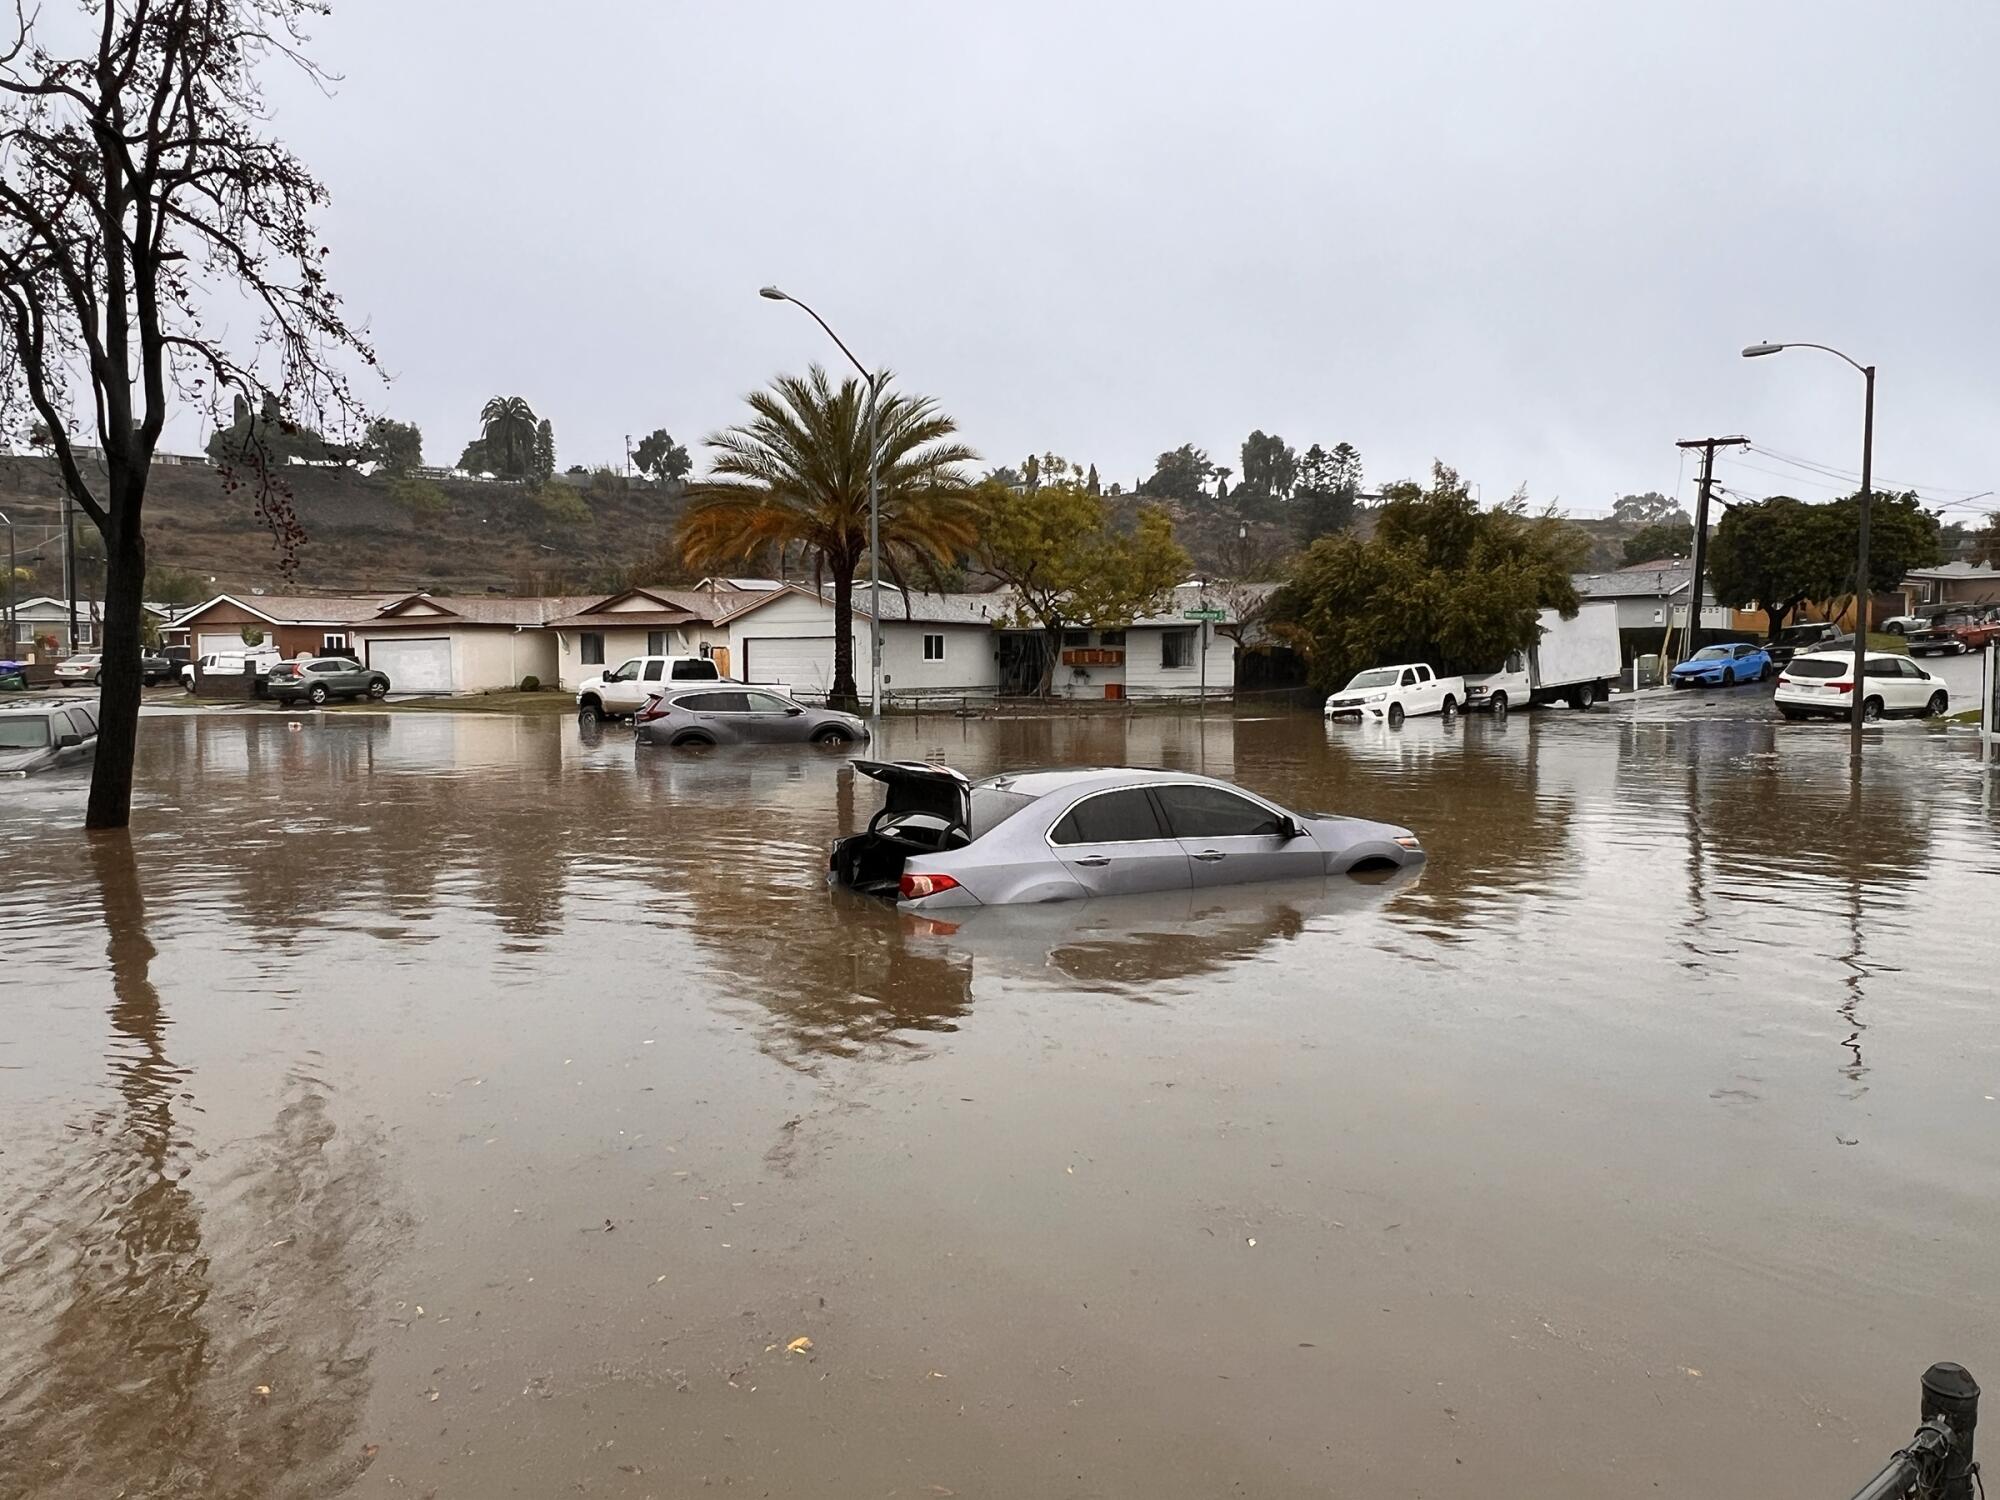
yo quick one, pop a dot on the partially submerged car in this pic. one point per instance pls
(42, 735)
(727, 713)
(942, 840)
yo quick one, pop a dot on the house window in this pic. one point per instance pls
(333, 643)
(590, 648)
(1076, 637)
(1111, 638)
(934, 647)
(1176, 648)
(656, 643)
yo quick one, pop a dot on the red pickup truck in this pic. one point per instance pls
(1956, 633)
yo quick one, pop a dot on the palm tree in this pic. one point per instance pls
(797, 472)
(508, 429)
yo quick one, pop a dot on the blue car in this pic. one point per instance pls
(1723, 666)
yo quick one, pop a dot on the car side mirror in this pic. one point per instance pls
(794, 711)
(68, 741)
(1291, 829)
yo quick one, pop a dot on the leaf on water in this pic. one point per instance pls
(799, 1345)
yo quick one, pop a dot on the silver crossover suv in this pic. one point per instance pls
(727, 713)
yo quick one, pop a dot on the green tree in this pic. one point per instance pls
(165, 585)
(1440, 581)
(545, 452)
(1329, 485)
(397, 446)
(797, 473)
(1180, 474)
(1270, 471)
(265, 437)
(1986, 542)
(1091, 482)
(507, 428)
(1661, 539)
(1647, 509)
(1056, 547)
(1771, 555)
(663, 458)
(1902, 535)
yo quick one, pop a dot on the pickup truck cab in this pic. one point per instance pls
(1391, 694)
(1954, 633)
(623, 691)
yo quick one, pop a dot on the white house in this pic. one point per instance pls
(930, 642)
(1647, 595)
(602, 632)
(1186, 650)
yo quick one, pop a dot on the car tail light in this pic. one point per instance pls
(1841, 687)
(916, 887)
(656, 708)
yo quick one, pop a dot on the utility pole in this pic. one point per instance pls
(1691, 641)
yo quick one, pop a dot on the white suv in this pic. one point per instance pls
(620, 694)
(1822, 682)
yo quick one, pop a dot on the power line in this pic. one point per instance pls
(1851, 477)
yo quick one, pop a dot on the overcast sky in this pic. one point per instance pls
(1527, 237)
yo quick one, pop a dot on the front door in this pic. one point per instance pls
(1114, 845)
(623, 692)
(1230, 840)
(774, 720)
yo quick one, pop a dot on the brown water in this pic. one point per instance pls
(425, 1104)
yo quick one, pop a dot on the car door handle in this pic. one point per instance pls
(1094, 861)
(1208, 856)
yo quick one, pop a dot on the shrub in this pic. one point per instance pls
(563, 505)
(419, 496)
(531, 684)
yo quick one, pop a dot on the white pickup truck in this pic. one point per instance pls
(1391, 694)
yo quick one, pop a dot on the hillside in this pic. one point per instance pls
(486, 535)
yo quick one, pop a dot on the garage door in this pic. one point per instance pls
(804, 663)
(420, 666)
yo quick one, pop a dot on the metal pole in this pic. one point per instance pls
(12, 566)
(874, 553)
(1861, 589)
(69, 574)
(1951, 1396)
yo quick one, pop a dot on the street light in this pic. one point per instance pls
(874, 514)
(11, 565)
(1861, 589)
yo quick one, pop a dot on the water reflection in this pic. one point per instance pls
(174, 1320)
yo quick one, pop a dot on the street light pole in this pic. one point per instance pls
(874, 502)
(1862, 591)
(12, 573)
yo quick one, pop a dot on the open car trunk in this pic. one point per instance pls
(927, 809)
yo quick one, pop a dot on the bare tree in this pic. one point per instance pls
(138, 189)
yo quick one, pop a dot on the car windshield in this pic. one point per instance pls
(1711, 653)
(23, 733)
(1803, 633)
(1380, 677)
(1818, 666)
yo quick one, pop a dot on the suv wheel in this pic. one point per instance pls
(317, 693)
(379, 688)
(832, 734)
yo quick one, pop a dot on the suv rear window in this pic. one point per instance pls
(1817, 666)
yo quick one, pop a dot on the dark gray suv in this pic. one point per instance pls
(325, 677)
(733, 714)
(42, 736)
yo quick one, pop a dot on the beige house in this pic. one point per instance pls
(480, 643)
(599, 634)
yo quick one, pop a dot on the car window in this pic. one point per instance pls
(1208, 812)
(1122, 817)
(714, 703)
(1409, 677)
(1881, 667)
(1910, 669)
(765, 703)
(86, 721)
(24, 731)
(991, 807)
(654, 670)
(626, 672)
(1816, 666)
(695, 671)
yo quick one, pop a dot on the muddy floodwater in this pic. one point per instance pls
(437, 1104)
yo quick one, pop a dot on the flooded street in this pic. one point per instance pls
(446, 1104)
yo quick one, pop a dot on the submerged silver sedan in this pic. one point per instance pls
(942, 840)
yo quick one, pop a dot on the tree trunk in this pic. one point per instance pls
(843, 695)
(110, 804)
(1050, 657)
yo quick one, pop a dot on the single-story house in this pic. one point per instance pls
(601, 632)
(448, 644)
(973, 643)
(1952, 583)
(292, 624)
(45, 615)
(1652, 596)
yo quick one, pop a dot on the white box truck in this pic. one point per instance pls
(1576, 662)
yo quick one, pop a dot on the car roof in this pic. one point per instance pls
(1043, 783)
(45, 705)
(1845, 655)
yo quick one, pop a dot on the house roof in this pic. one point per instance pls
(920, 608)
(299, 609)
(477, 609)
(1235, 599)
(1958, 570)
(1632, 583)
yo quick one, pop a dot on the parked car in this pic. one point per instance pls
(1724, 665)
(85, 666)
(731, 714)
(319, 678)
(1574, 662)
(1904, 624)
(1821, 683)
(45, 734)
(625, 689)
(156, 667)
(1793, 639)
(941, 840)
(228, 664)
(1391, 694)
(1954, 632)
